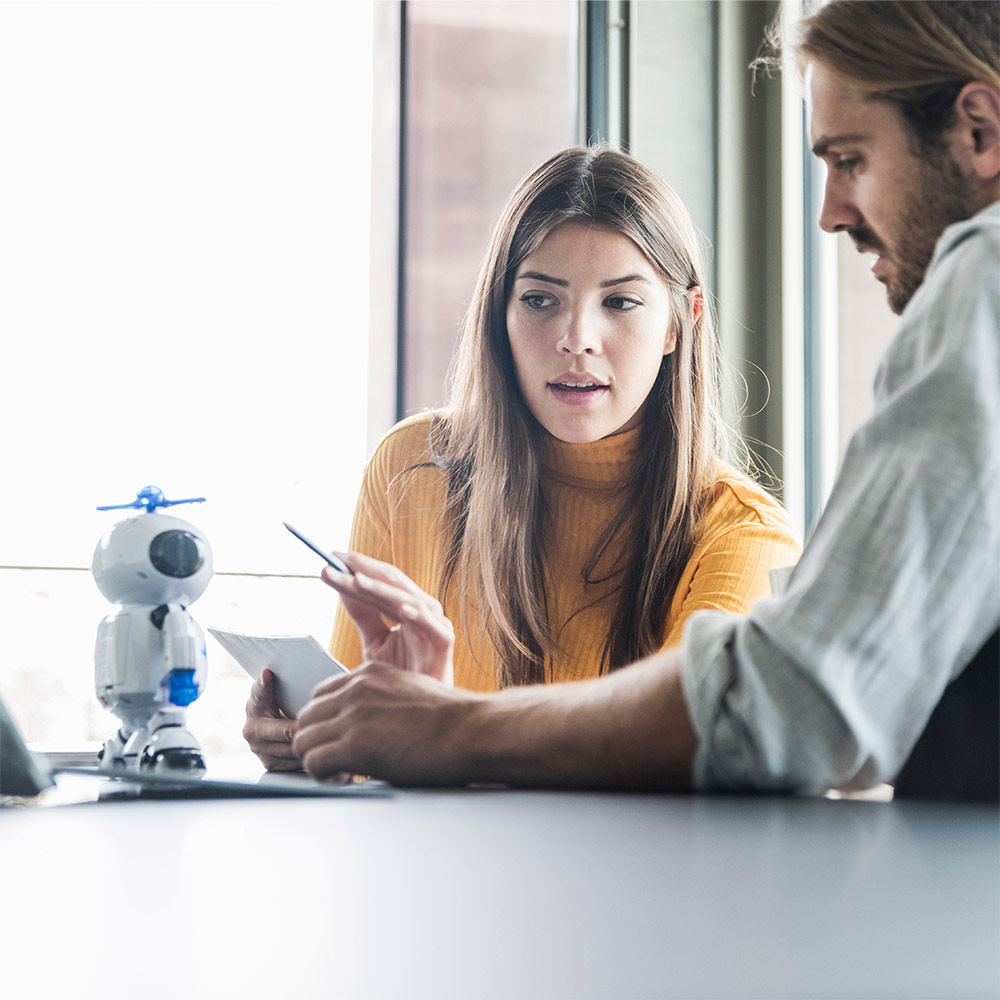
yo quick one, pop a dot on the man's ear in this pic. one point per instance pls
(976, 133)
(694, 297)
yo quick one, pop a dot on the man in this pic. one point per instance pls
(880, 662)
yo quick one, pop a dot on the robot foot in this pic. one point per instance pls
(172, 759)
(116, 755)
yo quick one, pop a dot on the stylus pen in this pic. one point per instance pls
(336, 563)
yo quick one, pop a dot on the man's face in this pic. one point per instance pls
(889, 199)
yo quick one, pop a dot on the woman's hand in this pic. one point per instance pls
(423, 638)
(268, 730)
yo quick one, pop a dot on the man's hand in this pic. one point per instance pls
(628, 730)
(268, 730)
(423, 638)
(400, 725)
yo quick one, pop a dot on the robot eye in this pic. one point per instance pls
(176, 553)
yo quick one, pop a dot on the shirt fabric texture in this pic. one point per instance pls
(832, 684)
(400, 519)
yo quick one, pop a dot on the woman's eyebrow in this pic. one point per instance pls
(538, 276)
(622, 281)
(563, 283)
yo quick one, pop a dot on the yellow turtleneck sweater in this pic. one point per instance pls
(398, 519)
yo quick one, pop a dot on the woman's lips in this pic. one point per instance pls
(577, 392)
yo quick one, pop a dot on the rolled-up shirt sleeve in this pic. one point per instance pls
(831, 684)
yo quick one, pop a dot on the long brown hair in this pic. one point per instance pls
(488, 440)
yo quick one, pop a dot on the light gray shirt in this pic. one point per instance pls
(831, 684)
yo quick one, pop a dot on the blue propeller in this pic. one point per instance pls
(149, 498)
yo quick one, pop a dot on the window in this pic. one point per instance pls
(865, 327)
(187, 300)
(490, 92)
(184, 257)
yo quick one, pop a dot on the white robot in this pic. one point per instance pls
(151, 661)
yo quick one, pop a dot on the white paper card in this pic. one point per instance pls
(298, 662)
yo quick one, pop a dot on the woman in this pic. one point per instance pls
(571, 508)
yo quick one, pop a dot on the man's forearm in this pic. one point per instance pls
(629, 730)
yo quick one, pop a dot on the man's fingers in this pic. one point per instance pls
(324, 763)
(317, 729)
(322, 751)
(331, 684)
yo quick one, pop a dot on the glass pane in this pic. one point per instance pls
(184, 261)
(674, 99)
(184, 191)
(866, 324)
(491, 93)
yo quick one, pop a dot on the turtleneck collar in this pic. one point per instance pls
(598, 464)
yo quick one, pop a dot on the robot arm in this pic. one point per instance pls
(183, 652)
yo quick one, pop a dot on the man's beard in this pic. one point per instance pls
(941, 198)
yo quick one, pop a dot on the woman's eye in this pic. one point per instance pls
(534, 300)
(621, 303)
(847, 165)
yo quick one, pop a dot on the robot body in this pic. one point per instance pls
(150, 659)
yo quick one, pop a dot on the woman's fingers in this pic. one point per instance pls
(398, 599)
(382, 572)
(269, 732)
(432, 624)
(424, 638)
(261, 703)
(366, 613)
(270, 739)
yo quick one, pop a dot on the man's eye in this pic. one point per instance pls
(621, 303)
(847, 165)
(536, 301)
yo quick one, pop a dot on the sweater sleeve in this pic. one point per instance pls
(371, 534)
(396, 518)
(730, 572)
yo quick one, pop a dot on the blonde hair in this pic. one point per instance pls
(488, 440)
(917, 54)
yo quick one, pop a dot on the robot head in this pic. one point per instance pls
(152, 559)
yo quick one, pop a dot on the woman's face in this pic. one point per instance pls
(589, 322)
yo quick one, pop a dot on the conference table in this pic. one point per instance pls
(488, 892)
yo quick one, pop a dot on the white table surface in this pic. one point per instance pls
(492, 893)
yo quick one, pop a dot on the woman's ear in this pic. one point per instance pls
(670, 344)
(694, 297)
(975, 136)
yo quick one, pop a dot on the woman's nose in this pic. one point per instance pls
(580, 336)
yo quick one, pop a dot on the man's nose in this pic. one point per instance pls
(838, 212)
